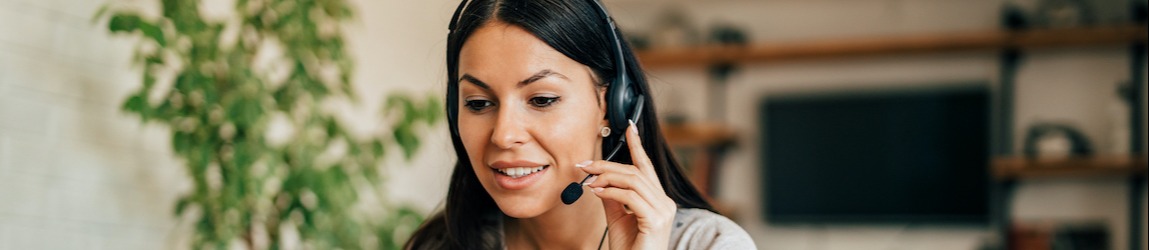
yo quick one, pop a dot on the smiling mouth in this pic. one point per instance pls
(520, 171)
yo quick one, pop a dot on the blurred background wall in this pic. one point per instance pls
(77, 173)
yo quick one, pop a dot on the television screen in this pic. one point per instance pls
(903, 156)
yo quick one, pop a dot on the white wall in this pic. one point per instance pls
(74, 171)
(77, 173)
(400, 46)
(1074, 85)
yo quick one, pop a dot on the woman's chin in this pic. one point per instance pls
(523, 209)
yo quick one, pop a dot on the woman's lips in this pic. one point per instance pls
(519, 177)
(519, 171)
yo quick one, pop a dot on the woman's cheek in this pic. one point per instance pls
(474, 135)
(571, 137)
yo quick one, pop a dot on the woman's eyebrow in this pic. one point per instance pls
(542, 74)
(473, 80)
(537, 76)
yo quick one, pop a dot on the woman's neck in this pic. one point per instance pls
(576, 226)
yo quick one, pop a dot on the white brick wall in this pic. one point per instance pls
(78, 173)
(75, 172)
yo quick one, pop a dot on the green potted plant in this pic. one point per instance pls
(244, 98)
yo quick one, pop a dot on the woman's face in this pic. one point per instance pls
(527, 115)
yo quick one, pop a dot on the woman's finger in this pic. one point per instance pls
(600, 167)
(638, 153)
(628, 181)
(641, 208)
(625, 176)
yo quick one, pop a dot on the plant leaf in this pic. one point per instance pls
(124, 23)
(153, 32)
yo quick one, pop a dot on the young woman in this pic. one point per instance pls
(528, 89)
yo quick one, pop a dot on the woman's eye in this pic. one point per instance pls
(543, 101)
(478, 105)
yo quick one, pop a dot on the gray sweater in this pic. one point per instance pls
(698, 229)
(701, 229)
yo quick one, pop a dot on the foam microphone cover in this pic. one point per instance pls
(572, 193)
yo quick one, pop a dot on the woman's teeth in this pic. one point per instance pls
(520, 172)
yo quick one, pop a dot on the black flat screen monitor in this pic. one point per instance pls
(901, 156)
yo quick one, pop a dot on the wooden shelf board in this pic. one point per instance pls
(1022, 167)
(908, 44)
(697, 134)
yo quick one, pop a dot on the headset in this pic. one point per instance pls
(621, 96)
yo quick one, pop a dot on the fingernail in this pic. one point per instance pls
(597, 190)
(632, 128)
(590, 180)
(583, 164)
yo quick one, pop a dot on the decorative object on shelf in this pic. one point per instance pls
(244, 101)
(673, 29)
(1013, 17)
(637, 40)
(1053, 140)
(1060, 235)
(727, 34)
(724, 35)
(1118, 111)
(1081, 236)
(674, 109)
(1064, 13)
(1031, 236)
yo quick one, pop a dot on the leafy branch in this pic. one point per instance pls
(244, 100)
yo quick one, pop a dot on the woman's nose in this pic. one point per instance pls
(510, 129)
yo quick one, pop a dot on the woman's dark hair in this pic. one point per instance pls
(576, 29)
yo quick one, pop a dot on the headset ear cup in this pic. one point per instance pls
(620, 101)
(615, 106)
(622, 94)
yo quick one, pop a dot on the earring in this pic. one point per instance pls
(605, 131)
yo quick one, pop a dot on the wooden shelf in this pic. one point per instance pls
(1023, 168)
(908, 44)
(697, 134)
(707, 142)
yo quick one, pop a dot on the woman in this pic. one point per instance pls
(527, 89)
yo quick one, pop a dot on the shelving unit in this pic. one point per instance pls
(887, 45)
(1006, 169)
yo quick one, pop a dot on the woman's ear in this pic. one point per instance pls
(601, 91)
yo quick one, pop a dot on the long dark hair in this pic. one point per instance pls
(576, 29)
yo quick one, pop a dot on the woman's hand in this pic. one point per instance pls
(639, 214)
